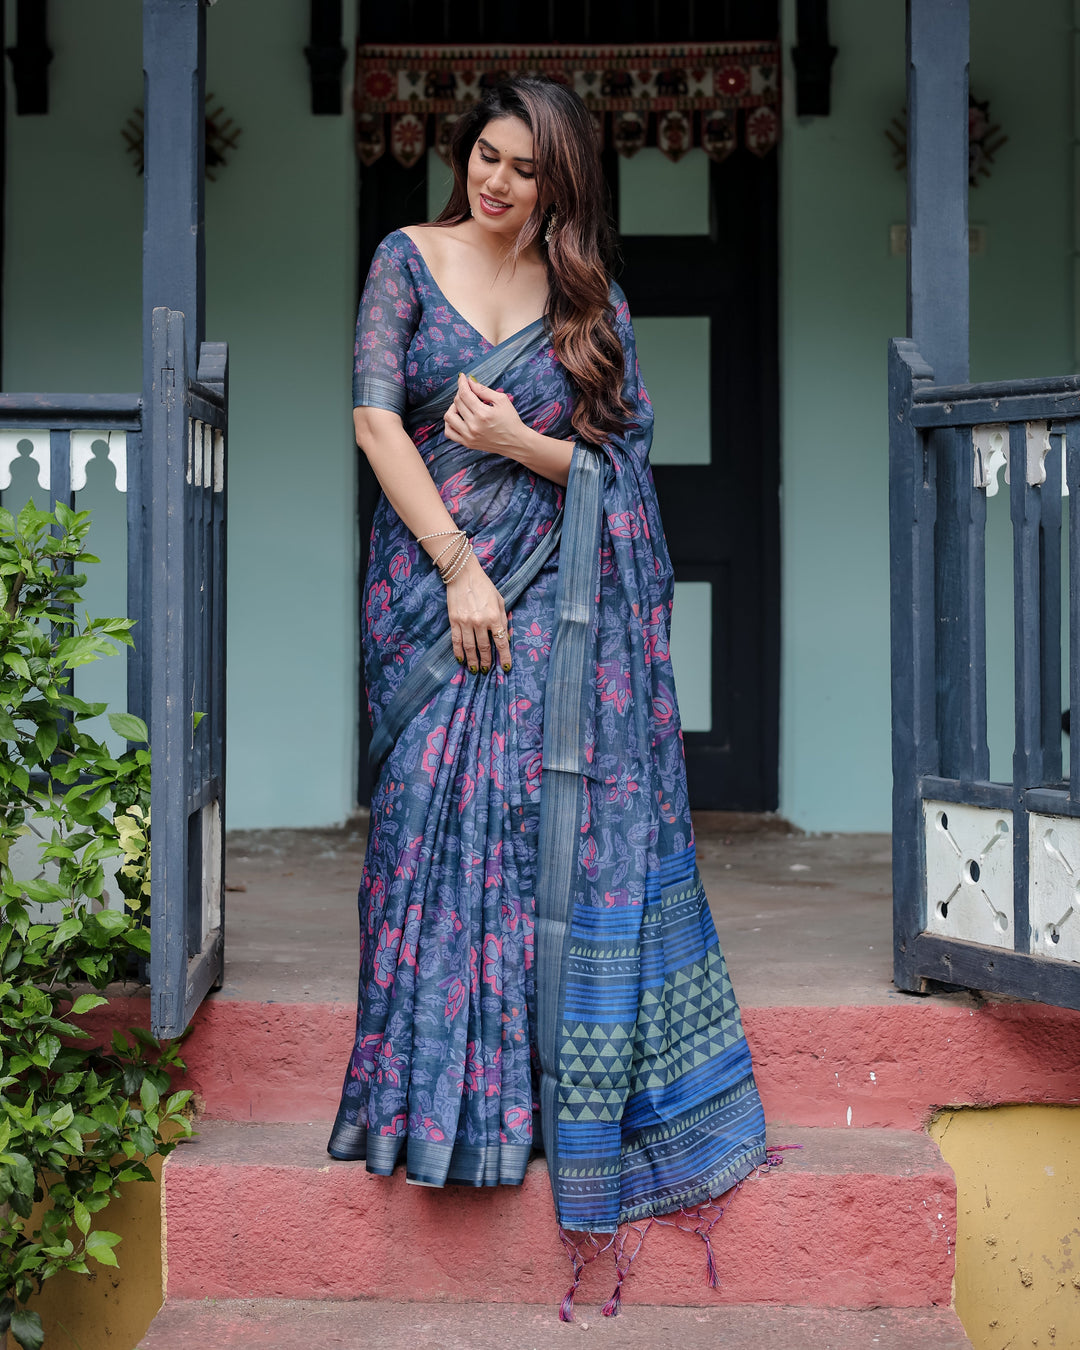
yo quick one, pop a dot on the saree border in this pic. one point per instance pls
(567, 703)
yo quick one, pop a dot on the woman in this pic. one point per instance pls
(534, 934)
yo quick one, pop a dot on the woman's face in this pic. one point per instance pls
(502, 176)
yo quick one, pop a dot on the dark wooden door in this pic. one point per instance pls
(720, 510)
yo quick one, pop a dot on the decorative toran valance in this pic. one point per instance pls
(700, 94)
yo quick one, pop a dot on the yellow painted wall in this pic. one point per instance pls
(1018, 1223)
(111, 1309)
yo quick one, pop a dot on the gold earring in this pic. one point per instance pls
(552, 225)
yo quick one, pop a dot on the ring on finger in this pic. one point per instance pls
(498, 633)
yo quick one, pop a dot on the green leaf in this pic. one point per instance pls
(45, 738)
(99, 1245)
(85, 1002)
(110, 920)
(7, 727)
(66, 930)
(22, 1174)
(139, 938)
(82, 1217)
(17, 663)
(148, 1095)
(49, 1047)
(196, 718)
(129, 726)
(63, 1118)
(27, 1329)
(177, 1101)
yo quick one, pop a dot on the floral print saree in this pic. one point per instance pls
(538, 962)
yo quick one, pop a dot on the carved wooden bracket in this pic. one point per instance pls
(30, 58)
(813, 57)
(325, 58)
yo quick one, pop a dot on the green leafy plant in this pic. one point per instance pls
(77, 1120)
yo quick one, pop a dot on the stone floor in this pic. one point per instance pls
(802, 919)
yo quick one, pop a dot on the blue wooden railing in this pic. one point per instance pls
(986, 874)
(59, 415)
(176, 474)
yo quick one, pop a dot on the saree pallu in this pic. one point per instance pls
(534, 932)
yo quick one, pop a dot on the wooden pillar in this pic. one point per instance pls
(174, 71)
(937, 97)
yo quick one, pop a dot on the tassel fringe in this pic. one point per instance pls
(698, 1220)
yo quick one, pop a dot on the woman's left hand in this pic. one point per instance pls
(484, 419)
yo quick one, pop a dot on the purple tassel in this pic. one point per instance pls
(710, 1263)
(566, 1309)
(611, 1307)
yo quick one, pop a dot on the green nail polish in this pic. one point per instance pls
(484, 670)
(506, 667)
(472, 670)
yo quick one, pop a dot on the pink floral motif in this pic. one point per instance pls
(386, 955)
(537, 640)
(589, 859)
(455, 998)
(621, 787)
(474, 1067)
(656, 643)
(408, 858)
(493, 963)
(548, 415)
(624, 525)
(518, 707)
(423, 1127)
(400, 566)
(528, 939)
(396, 1128)
(432, 757)
(519, 1117)
(391, 1066)
(378, 604)
(614, 685)
(534, 770)
(455, 490)
(367, 1051)
(410, 937)
(663, 710)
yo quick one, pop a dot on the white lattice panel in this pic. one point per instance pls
(1054, 886)
(969, 873)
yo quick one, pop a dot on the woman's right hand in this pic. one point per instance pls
(477, 619)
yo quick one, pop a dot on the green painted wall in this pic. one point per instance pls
(842, 299)
(281, 286)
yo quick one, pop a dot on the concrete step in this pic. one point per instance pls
(853, 1218)
(285, 1324)
(885, 1064)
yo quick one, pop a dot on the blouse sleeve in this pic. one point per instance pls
(388, 318)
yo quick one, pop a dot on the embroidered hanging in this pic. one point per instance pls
(709, 95)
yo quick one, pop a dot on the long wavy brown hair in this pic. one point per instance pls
(571, 189)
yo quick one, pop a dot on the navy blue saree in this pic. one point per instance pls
(537, 952)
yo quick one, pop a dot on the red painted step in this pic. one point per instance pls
(286, 1325)
(857, 1218)
(889, 1064)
